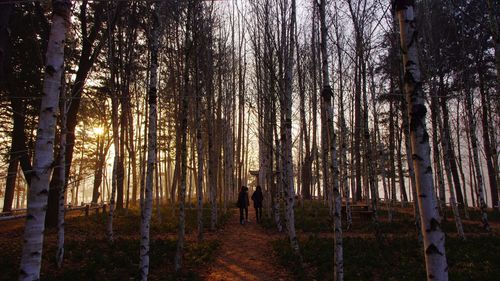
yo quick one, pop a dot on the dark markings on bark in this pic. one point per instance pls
(43, 192)
(433, 250)
(434, 225)
(50, 70)
(428, 170)
(327, 93)
(416, 157)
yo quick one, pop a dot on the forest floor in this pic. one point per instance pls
(89, 255)
(398, 256)
(246, 253)
(256, 251)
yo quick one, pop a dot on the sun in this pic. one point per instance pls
(98, 131)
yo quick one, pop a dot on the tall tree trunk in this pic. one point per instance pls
(343, 177)
(62, 181)
(199, 151)
(44, 148)
(109, 227)
(314, 101)
(87, 57)
(286, 133)
(435, 121)
(327, 99)
(100, 160)
(18, 151)
(448, 163)
(489, 148)
(371, 157)
(402, 186)
(357, 125)
(477, 163)
(183, 114)
(147, 207)
(392, 165)
(434, 248)
(212, 162)
(277, 185)
(305, 170)
(116, 136)
(132, 154)
(449, 153)
(459, 163)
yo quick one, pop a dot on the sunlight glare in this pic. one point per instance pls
(98, 131)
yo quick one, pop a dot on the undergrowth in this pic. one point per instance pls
(89, 256)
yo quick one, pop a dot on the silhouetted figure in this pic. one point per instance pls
(243, 203)
(257, 198)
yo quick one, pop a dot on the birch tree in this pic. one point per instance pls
(434, 248)
(474, 143)
(152, 141)
(183, 129)
(116, 138)
(327, 120)
(286, 133)
(44, 148)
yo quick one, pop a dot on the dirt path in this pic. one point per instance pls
(245, 253)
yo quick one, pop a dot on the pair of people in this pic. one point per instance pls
(244, 202)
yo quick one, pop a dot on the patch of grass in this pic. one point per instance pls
(493, 215)
(477, 258)
(98, 260)
(311, 216)
(399, 258)
(289, 259)
(88, 255)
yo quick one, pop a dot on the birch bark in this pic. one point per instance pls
(335, 198)
(31, 258)
(477, 164)
(183, 145)
(434, 248)
(286, 134)
(147, 206)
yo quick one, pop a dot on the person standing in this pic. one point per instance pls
(243, 203)
(257, 198)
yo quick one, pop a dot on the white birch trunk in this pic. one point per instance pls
(183, 145)
(31, 258)
(477, 164)
(447, 161)
(147, 206)
(331, 149)
(434, 248)
(337, 200)
(286, 133)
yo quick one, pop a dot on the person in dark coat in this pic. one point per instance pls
(257, 198)
(243, 203)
